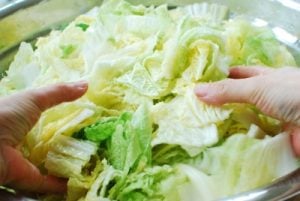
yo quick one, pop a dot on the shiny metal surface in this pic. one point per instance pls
(285, 188)
(9, 7)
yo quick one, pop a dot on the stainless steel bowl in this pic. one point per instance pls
(24, 20)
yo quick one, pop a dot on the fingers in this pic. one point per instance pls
(295, 140)
(50, 96)
(19, 112)
(294, 132)
(22, 175)
(226, 91)
(245, 72)
(230, 90)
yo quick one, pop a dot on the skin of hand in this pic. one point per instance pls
(18, 114)
(276, 92)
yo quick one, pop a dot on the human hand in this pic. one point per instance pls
(276, 92)
(18, 114)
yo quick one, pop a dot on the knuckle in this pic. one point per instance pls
(39, 98)
(256, 96)
(223, 87)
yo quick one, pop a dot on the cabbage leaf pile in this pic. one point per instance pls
(140, 133)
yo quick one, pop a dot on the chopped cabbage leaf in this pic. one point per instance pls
(187, 122)
(241, 163)
(111, 184)
(67, 156)
(126, 138)
(248, 46)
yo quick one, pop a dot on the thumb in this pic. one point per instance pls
(249, 71)
(227, 91)
(295, 140)
(294, 132)
(19, 112)
(50, 96)
(19, 173)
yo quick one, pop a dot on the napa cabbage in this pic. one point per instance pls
(140, 133)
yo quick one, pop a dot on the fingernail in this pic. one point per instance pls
(202, 90)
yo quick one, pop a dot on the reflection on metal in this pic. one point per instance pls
(285, 36)
(290, 4)
(12, 6)
(249, 197)
(259, 22)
